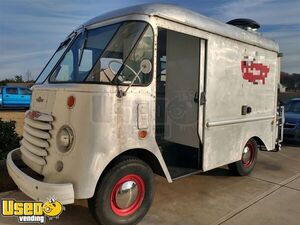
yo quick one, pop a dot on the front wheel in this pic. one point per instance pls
(248, 160)
(125, 193)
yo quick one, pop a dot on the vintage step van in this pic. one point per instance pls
(147, 89)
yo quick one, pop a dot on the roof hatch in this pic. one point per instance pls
(246, 24)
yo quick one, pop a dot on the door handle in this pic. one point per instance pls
(246, 109)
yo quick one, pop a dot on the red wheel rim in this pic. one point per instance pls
(133, 206)
(248, 155)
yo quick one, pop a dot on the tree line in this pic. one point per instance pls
(290, 81)
(16, 79)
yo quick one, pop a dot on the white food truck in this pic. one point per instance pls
(147, 89)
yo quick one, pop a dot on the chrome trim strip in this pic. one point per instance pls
(235, 121)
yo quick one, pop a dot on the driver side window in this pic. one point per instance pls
(132, 44)
(143, 50)
(65, 68)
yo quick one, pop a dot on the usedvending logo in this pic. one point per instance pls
(30, 211)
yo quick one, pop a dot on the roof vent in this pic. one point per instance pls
(246, 24)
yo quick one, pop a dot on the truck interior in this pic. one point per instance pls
(177, 101)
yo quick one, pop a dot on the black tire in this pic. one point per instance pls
(242, 167)
(103, 205)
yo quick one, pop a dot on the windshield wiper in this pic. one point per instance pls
(84, 37)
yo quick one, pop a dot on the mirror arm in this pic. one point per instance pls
(134, 79)
(120, 92)
(146, 67)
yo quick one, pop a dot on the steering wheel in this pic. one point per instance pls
(115, 73)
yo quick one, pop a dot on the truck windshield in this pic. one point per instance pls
(98, 55)
(54, 59)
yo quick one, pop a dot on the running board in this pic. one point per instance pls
(180, 172)
(277, 148)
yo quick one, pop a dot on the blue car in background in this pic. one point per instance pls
(15, 97)
(291, 131)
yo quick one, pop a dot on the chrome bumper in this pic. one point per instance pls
(37, 190)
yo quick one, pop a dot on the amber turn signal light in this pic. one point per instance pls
(71, 101)
(142, 134)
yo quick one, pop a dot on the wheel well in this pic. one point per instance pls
(146, 156)
(261, 145)
(143, 155)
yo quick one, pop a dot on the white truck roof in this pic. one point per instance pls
(193, 19)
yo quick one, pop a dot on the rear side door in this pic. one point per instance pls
(240, 91)
(10, 96)
(25, 96)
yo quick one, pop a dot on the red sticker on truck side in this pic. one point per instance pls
(253, 72)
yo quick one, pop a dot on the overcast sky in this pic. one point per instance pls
(30, 30)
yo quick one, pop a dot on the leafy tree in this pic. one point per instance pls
(291, 81)
(19, 79)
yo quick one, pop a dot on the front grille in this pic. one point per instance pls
(35, 143)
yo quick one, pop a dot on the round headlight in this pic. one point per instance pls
(65, 139)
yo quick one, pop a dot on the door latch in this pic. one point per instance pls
(202, 98)
(246, 109)
(196, 97)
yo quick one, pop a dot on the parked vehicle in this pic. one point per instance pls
(291, 131)
(147, 89)
(15, 97)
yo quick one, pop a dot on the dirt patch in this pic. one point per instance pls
(18, 116)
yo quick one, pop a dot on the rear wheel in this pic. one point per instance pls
(124, 194)
(248, 160)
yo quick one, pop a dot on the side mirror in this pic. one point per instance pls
(146, 66)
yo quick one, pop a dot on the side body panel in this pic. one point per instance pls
(238, 75)
(223, 130)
